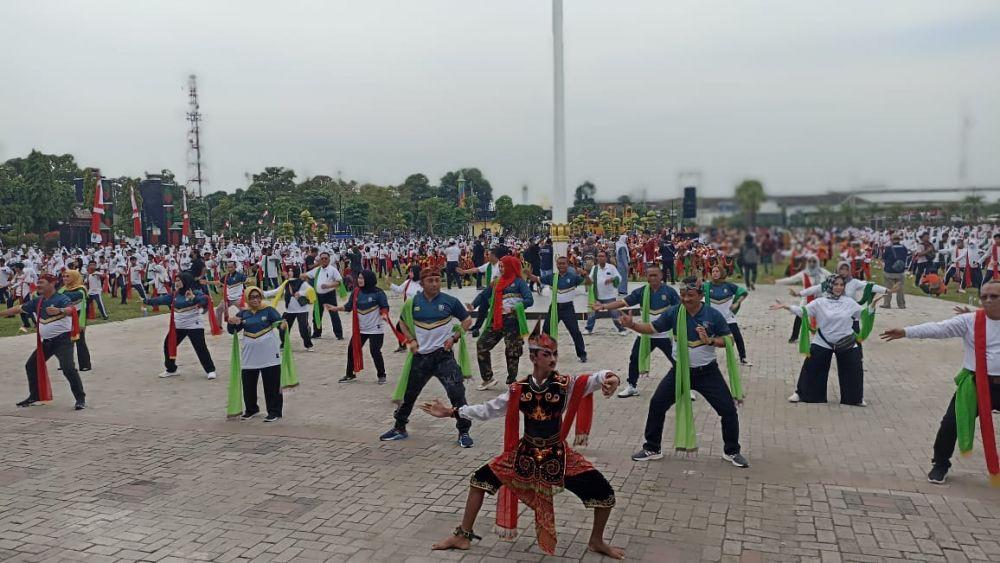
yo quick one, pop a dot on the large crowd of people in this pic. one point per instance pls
(688, 287)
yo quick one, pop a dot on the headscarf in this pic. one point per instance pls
(75, 280)
(371, 283)
(813, 269)
(246, 297)
(828, 286)
(849, 270)
(622, 243)
(510, 268)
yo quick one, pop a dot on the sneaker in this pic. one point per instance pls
(248, 415)
(24, 330)
(465, 440)
(317, 337)
(628, 391)
(863, 403)
(210, 375)
(746, 362)
(938, 475)
(400, 349)
(623, 332)
(29, 402)
(793, 398)
(80, 405)
(394, 435)
(347, 378)
(583, 359)
(475, 333)
(588, 331)
(646, 455)
(793, 340)
(737, 459)
(168, 373)
(271, 418)
(693, 396)
(311, 349)
(81, 369)
(381, 380)
(488, 384)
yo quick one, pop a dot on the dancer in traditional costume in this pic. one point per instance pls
(726, 298)
(695, 369)
(431, 331)
(187, 304)
(259, 353)
(654, 299)
(506, 321)
(539, 464)
(73, 288)
(368, 306)
(564, 284)
(978, 382)
(836, 316)
(55, 317)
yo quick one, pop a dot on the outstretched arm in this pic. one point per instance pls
(494, 408)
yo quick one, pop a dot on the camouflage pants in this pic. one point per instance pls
(513, 349)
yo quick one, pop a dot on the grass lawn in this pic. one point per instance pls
(118, 312)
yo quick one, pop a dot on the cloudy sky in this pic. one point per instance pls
(805, 96)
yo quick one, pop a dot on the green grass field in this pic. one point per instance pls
(118, 312)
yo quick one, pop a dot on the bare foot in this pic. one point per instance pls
(452, 542)
(604, 548)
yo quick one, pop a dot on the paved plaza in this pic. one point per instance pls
(153, 471)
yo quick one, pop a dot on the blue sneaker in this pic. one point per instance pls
(394, 435)
(465, 440)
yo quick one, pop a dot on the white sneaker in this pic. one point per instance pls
(793, 398)
(623, 332)
(165, 373)
(693, 396)
(313, 349)
(628, 391)
(588, 332)
(487, 384)
(747, 363)
(210, 375)
(863, 403)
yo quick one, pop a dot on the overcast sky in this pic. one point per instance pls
(805, 96)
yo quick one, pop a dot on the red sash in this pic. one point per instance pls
(41, 370)
(212, 321)
(358, 363)
(983, 399)
(172, 332)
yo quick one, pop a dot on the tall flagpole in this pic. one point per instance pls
(560, 219)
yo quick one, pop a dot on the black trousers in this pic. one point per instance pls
(947, 434)
(451, 272)
(303, 322)
(484, 309)
(83, 352)
(706, 380)
(567, 316)
(374, 347)
(750, 273)
(662, 344)
(668, 270)
(815, 372)
(197, 338)
(140, 291)
(338, 330)
(738, 340)
(62, 348)
(442, 365)
(271, 377)
(591, 487)
(100, 305)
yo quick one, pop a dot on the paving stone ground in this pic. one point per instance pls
(153, 471)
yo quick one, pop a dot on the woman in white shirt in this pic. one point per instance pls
(835, 315)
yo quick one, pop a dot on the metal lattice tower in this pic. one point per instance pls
(194, 136)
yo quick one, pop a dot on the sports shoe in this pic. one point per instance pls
(80, 405)
(394, 435)
(588, 331)
(488, 384)
(693, 396)
(381, 380)
(623, 332)
(210, 375)
(863, 403)
(938, 475)
(464, 440)
(793, 340)
(347, 378)
(583, 359)
(646, 455)
(794, 397)
(628, 391)
(169, 373)
(746, 362)
(311, 349)
(316, 337)
(29, 402)
(249, 415)
(271, 418)
(737, 459)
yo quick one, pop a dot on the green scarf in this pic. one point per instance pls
(289, 377)
(645, 340)
(592, 290)
(733, 368)
(868, 294)
(804, 333)
(406, 316)
(554, 308)
(81, 307)
(966, 409)
(342, 290)
(488, 322)
(867, 323)
(522, 319)
(684, 435)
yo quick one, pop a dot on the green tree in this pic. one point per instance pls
(583, 199)
(750, 195)
(36, 192)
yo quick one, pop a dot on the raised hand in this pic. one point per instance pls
(436, 409)
(893, 334)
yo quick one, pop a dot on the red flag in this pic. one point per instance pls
(186, 225)
(97, 213)
(136, 223)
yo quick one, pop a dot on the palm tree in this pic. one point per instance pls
(750, 195)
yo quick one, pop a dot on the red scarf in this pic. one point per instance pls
(358, 364)
(106, 287)
(807, 283)
(172, 332)
(91, 312)
(511, 268)
(74, 334)
(156, 308)
(42, 371)
(983, 399)
(212, 321)
(968, 271)
(128, 283)
(996, 268)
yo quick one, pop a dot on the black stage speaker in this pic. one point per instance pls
(690, 203)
